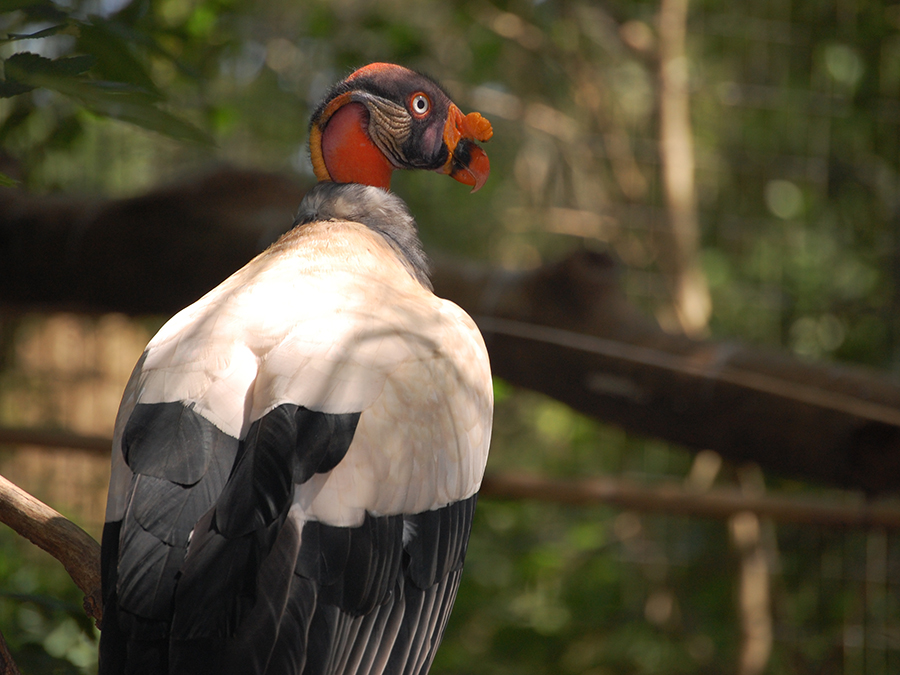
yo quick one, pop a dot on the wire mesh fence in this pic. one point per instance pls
(796, 127)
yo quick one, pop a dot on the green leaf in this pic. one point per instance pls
(116, 60)
(134, 37)
(25, 66)
(19, 65)
(123, 103)
(74, 65)
(152, 118)
(6, 181)
(119, 100)
(10, 89)
(52, 30)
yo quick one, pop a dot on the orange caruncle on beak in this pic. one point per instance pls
(467, 162)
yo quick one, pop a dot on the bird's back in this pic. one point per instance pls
(295, 469)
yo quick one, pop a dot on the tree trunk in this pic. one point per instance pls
(677, 255)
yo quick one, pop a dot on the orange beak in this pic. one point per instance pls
(467, 163)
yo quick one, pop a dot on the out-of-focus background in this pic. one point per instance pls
(770, 128)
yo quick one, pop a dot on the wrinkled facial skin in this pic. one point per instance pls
(412, 122)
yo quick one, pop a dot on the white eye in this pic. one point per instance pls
(420, 104)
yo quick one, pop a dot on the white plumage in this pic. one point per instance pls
(331, 319)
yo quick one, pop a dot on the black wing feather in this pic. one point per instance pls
(171, 441)
(252, 646)
(251, 593)
(147, 572)
(286, 446)
(439, 543)
(381, 605)
(287, 656)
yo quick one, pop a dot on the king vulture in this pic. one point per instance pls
(297, 454)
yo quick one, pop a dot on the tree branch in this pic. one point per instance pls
(566, 330)
(7, 665)
(80, 554)
(603, 490)
(672, 498)
(64, 540)
(54, 439)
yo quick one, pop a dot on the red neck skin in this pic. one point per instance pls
(350, 155)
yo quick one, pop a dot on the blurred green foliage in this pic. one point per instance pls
(41, 615)
(797, 136)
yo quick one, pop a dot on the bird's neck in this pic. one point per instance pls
(349, 153)
(381, 211)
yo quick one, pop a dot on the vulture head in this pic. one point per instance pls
(385, 117)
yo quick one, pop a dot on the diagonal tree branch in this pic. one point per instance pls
(566, 330)
(7, 665)
(64, 540)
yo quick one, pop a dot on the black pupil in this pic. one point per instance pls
(420, 103)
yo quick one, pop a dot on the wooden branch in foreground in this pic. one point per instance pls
(7, 665)
(80, 554)
(564, 329)
(64, 540)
